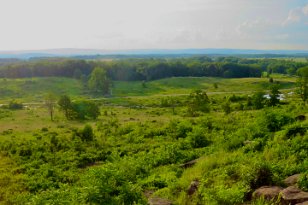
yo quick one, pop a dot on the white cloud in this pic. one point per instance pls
(293, 17)
(255, 29)
(305, 10)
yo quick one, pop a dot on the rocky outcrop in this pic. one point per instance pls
(304, 203)
(288, 196)
(267, 192)
(293, 195)
(292, 180)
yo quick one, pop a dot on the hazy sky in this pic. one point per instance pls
(146, 24)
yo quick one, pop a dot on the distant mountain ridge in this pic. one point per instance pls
(71, 52)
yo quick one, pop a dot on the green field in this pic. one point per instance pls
(34, 89)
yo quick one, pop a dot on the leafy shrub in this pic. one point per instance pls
(86, 134)
(155, 181)
(274, 120)
(14, 105)
(109, 185)
(198, 101)
(226, 107)
(260, 175)
(197, 138)
(294, 130)
(303, 181)
(85, 109)
(179, 129)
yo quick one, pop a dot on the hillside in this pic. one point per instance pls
(137, 149)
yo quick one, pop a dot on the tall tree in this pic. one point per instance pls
(198, 101)
(258, 99)
(274, 95)
(66, 106)
(99, 82)
(50, 103)
(302, 83)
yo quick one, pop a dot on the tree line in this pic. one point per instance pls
(150, 69)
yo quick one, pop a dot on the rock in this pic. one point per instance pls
(293, 195)
(304, 203)
(268, 192)
(292, 180)
(188, 164)
(300, 118)
(193, 187)
(159, 201)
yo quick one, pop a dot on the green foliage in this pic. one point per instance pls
(302, 83)
(109, 185)
(86, 133)
(295, 129)
(50, 103)
(258, 100)
(275, 120)
(66, 106)
(226, 107)
(215, 85)
(271, 80)
(140, 146)
(84, 110)
(198, 101)
(80, 110)
(274, 94)
(14, 105)
(99, 82)
(303, 181)
(198, 138)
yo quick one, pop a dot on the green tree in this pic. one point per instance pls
(99, 82)
(50, 103)
(14, 105)
(274, 94)
(198, 101)
(302, 83)
(66, 106)
(258, 100)
(85, 109)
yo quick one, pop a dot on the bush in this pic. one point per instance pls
(198, 101)
(86, 133)
(226, 107)
(85, 109)
(197, 138)
(295, 130)
(14, 105)
(275, 120)
(260, 175)
(303, 181)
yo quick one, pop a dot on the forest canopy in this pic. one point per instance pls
(151, 69)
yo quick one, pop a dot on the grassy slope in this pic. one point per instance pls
(34, 89)
(27, 123)
(184, 85)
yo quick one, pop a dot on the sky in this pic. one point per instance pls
(153, 24)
